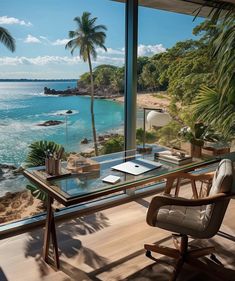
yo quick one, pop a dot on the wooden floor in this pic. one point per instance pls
(108, 246)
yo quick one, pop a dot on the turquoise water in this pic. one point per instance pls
(23, 105)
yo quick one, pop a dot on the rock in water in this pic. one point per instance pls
(84, 141)
(69, 111)
(51, 123)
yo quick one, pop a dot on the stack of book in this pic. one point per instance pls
(178, 158)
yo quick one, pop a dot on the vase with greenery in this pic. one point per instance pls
(195, 136)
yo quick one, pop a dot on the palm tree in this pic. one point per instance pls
(223, 50)
(217, 107)
(86, 38)
(7, 39)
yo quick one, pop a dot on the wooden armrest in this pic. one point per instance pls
(163, 200)
(196, 177)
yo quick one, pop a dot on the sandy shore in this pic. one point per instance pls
(150, 100)
(19, 205)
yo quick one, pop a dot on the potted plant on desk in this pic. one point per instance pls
(196, 138)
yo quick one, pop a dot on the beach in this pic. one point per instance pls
(153, 100)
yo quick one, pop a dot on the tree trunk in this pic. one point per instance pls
(92, 104)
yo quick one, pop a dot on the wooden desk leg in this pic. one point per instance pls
(177, 188)
(50, 232)
(194, 189)
(169, 185)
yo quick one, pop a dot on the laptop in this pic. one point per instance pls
(137, 167)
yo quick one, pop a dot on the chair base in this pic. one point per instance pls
(183, 255)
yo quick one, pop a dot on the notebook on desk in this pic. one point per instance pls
(137, 167)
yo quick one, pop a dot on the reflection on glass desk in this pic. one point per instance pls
(79, 188)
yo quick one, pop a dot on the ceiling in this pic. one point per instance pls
(190, 7)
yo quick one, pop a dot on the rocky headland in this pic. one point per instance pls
(99, 93)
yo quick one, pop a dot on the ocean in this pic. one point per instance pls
(23, 106)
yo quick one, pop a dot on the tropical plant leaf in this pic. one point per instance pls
(36, 192)
(36, 155)
(220, 115)
(7, 39)
(223, 48)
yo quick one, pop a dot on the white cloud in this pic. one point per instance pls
(143, 50)
(111, 51)
(12, 20)
(40, 60)
(60, 42)
(32, 39)
(149, 50)
(109, 60)
(112, 56)
(48, 60)
(43, 37)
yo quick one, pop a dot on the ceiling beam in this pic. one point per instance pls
(189, 7)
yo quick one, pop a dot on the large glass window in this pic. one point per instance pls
(178, 82)
(45, 90)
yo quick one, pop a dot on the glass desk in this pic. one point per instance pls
(78, 188)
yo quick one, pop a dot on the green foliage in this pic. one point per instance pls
(87, 36)
(84, 80)
(223, 48)
(6, 39)
(149, 77)
(193, 136)
(103, 75)
(36, 155)
(37, 193)
(180, 71)
(150, 136)
(117, 80)
(188, 73)
(169, 134)
(216, 112)
(198, 134)
(173, 109)
(114, 144)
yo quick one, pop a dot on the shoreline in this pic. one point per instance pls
(148, 100)
(19, 205)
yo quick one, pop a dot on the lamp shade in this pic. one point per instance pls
(158, 119)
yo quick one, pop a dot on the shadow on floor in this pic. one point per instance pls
(68, 243)
(2, 275)
(162, 269)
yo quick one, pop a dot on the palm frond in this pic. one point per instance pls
(37, 152)
(87, 36)
(208, 108)
(223, 48)
(7, 39)
(36, 192)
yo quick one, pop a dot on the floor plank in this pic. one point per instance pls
(106, 246)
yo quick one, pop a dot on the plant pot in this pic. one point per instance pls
(196, 151)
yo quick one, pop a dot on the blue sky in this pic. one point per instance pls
(41, 30)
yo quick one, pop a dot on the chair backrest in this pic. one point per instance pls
(222, 182)
(223, 178)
